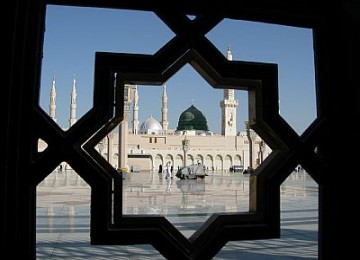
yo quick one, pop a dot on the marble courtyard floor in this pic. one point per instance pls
(63, 214)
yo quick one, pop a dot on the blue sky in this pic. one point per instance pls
(73, 35)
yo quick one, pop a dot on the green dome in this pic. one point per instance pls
(192, 119)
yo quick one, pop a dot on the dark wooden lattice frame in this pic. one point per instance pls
(74, 147)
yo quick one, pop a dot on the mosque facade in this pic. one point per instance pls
(149, 145)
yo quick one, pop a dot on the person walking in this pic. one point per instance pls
(168, 170)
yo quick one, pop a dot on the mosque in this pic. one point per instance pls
(149, 145)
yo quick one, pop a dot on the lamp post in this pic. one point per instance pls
(185, 147)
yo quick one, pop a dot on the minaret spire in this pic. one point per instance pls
(72, 119)
(228, 107)
(164, 109)
(52, 106)
(229, 93)
(228, 54)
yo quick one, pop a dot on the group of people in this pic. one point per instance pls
(168, 170)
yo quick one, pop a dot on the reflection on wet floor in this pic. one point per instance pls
(146, 193)
(149, 193)
(63, 202)
(185, 201)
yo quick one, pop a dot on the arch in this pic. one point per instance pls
(218, 162)
(199, 158)
(227, 162)
(158, 160)
(238, 160)
(178, 161)
(190, 159)
(209, 162)
(169, 157)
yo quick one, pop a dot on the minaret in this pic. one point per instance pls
(52, 106)
(228, 108)
(72, 119)
(123, 129)
(164, 109)
(136, 112)
(279, 106)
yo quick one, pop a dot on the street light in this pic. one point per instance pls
(185, 147)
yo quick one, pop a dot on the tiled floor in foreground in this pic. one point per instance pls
(63, 216)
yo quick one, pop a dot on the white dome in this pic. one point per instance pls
(150, 125)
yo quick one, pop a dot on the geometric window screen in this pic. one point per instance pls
(113, 71)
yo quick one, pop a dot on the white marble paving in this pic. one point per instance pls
(63, 203)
